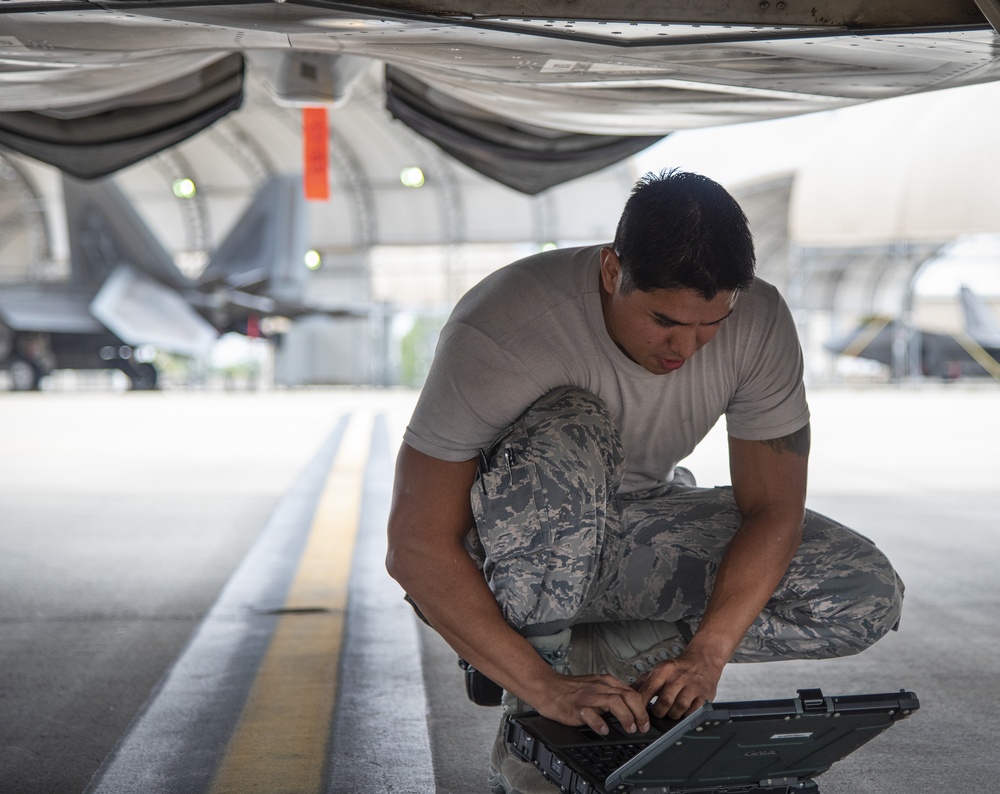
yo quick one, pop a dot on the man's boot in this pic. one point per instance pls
(624, 648)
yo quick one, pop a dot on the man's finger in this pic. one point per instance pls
(684, 705)
(664, 703)
(680, 706)
(624, 715)
(592, 719)
(667, 696)
(633, 712)
(654, 680)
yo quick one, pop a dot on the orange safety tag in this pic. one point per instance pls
(316, 154)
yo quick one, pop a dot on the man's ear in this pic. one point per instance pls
(611, 268)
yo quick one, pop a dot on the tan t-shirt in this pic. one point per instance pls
(537, 324)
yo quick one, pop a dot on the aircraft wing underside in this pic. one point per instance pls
(92, 86)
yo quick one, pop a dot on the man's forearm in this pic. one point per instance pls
(750, 571)
(454, 597)
(428, 522)
(769, 486)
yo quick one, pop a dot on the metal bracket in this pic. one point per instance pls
(991, 10)
(813, 701)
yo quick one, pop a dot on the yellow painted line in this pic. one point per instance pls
(865, 336)
(281, 741)
(979, 354)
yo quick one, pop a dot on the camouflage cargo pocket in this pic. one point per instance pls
(541, 526)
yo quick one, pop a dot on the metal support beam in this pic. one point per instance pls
(29, 214)
(991, 10)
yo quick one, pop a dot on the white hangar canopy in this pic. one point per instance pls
(888, 187)
(921, 168)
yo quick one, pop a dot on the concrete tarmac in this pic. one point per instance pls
(125, 519)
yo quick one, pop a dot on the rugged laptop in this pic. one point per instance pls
(773, 746)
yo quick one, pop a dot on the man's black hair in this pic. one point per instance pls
(683, 231)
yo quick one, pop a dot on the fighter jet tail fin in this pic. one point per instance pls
(264, 251)
(106, 231)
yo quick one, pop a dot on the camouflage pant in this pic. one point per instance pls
(558, 547)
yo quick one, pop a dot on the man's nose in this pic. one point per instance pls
(684, 342)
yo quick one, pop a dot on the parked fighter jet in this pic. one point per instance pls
(974, 352)
(125, 293)
(532, 93)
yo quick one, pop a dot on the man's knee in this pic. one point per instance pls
(572, 425)
(565, 402)
(858, 609)
(875, 608)
(841, 595)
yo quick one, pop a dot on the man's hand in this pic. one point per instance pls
(583, 699)
(681, 685)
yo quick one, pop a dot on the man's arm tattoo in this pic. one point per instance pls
(797, 442)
